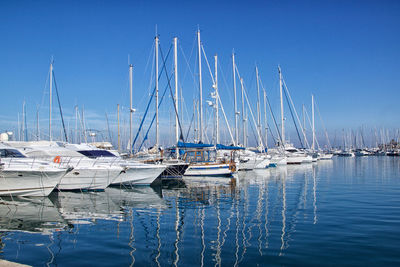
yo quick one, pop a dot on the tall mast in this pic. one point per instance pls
(84, 124)
(157, 122)
(130, 108)
(51, 89)
(23, 122)
(243, 115)
(195, 119)
(313, 123)
(200, 88)
(258, 110)
(304, 124)
(76, 124)
(265, 119)
(176, 95)
(37, 125)
(119, 133)
(216, 100)
(235, 100)
(281, 97)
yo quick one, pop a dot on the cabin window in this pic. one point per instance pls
(96, 153)
(10, 153)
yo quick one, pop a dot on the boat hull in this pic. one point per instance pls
(251, 164)
(89, 178)
(140, 175)
(174, 170)
(209, 170)
(32, 183)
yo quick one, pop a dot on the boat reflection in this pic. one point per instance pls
(111, 204)
(33, 215)
(86, 207)
(221, 221)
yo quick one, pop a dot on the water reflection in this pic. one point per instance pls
(208, 221)
(34, 215)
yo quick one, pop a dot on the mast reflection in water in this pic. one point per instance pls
(315, 213)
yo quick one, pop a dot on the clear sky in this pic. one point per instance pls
(347, 53)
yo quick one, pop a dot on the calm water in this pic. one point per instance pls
(345, 211)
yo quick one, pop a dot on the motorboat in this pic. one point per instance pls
(296, 156)
(133, 173)
(88, 174)
(22, 176)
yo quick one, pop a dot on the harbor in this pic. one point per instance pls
(199, 134)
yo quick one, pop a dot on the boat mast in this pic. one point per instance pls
(243, 116)
(258, 110)
(50, 98)
(200, 88)
(119, 133)
(313, 123)
(235, 101)
(23, 122)
(76, 125)
(176, 94)
(195, 119)
(216, 100)
(84, 124)
(265, 119)
(281, 98)
(157, 122)
(37, 125)
(130, 108)
(304, 125)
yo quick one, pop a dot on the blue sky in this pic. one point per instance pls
(345, 52)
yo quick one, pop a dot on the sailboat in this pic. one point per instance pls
(174, 167)
(293, 155)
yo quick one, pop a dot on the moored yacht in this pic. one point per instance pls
(88, 174)
(204, 161)
(134, 172)
(22, 176)
(346, 153)
(296, 156)
(249, 160)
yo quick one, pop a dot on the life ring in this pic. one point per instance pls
(57, 159)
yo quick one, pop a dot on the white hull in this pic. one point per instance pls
(263, 164)
(35, 183)
(250, 163)
(253, 163)
(325, 156)
(209, 170)
(89, 178)
(278, 160)
(294, 159)
(139, 175)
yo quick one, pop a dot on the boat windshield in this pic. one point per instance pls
(10, 153)
(200, 156)
(96, 153)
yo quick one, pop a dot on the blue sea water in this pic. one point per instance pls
(345, 211)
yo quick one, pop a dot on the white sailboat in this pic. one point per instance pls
(292, 154)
